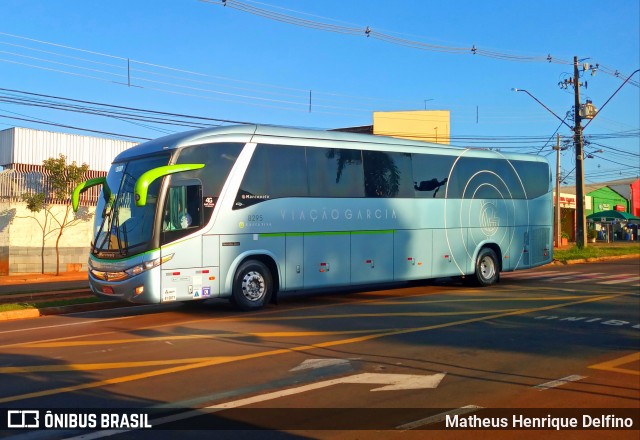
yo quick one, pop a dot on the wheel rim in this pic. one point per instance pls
(487, 268)
(253, 286)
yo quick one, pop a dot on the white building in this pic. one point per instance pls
(22, 152)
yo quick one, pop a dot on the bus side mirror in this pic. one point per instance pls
(75, 197)
(142, 184)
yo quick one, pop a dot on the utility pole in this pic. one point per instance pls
(590, 112)
(558, 221)
(581, 233)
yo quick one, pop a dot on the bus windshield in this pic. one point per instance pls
(121, 228)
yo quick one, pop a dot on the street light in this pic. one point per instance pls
(587, 156)
(425, 102)
(558, 222)
(578, 142)
(591, 155)
(540, 102)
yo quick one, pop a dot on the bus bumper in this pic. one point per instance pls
(143, 288)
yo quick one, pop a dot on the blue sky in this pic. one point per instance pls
(203, 59)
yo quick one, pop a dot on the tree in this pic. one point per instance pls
(61, 178)
(36, 203)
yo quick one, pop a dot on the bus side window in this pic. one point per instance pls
(431, 176)
(275, 171)
(182, 209)
(335, 172)
(387, 174)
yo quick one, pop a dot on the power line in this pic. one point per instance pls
(192, 84)
(154, 120)
(619, 163)
(616, 149)
(368, 32)
(127, 73)
(75, 128)
(203, 118)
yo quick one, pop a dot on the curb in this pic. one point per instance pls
(593, 259)
(19, 314)
(62, 310)
(89, 307)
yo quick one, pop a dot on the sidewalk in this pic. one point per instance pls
(34, 288)
(30, 283)
(618, 243)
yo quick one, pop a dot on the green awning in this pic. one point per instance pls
(612, 215)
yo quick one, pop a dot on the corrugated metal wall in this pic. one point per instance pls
(6, 146)
(30, 147)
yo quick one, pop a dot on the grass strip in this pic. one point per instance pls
(594, 252)
(46, 304)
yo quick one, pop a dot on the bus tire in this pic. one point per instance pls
(487, 269)
(252, 286)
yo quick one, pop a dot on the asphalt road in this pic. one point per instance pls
(367, 364)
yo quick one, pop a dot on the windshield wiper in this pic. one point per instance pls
(106, 219)
(117, 227)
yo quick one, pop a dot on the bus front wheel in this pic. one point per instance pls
(252, 285)
(487, 268)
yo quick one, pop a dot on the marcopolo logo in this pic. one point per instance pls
(489, 219)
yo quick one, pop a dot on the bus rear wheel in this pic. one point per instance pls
(252, 285)
(487, 270)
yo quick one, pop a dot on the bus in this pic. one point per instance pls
(245, 212)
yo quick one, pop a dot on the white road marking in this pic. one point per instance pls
(391, 382)
(320, 363)
(438, 417)
(29, 329)
(587, 277)
(575, 277)
(547, 274)
(619, 281)
(559, 382)
(567, 277)
(606, 277)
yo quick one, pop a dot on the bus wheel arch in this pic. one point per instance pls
(487, 266)
(255, 283)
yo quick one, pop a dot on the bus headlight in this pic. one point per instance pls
(147, 265)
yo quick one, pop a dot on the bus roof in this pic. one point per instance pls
(287, 135)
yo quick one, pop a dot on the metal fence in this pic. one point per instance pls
(32, 179)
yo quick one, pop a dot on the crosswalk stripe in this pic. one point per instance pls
(587, 277)
(575, 277)
(549, 274)
(568, 277)
(620, 275)
(619, 281)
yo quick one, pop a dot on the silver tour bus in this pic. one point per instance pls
(244, 212)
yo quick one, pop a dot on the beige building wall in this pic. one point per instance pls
(421, 125)
(28, 232)
(21, 239)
